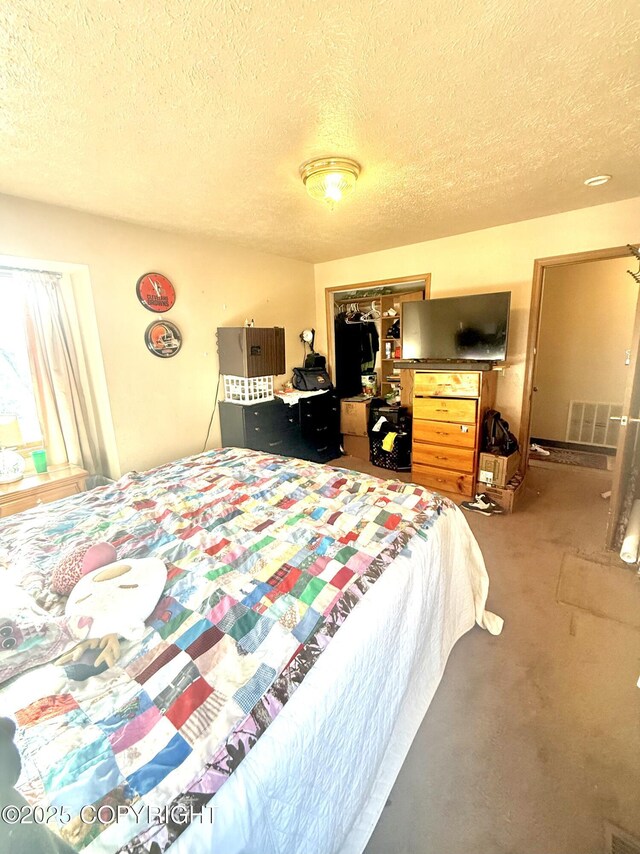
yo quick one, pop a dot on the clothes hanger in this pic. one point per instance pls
(372, 314)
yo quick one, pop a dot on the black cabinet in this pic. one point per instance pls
(309, 429)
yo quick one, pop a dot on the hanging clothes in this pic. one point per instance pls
(369, 346)
(357, 345)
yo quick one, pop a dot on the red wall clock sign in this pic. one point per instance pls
(155, 292)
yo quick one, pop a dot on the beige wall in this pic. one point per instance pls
(160, 407)
(586, 325)
(495, 259)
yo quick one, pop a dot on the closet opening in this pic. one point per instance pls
(364, 334)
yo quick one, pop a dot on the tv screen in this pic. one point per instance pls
(473, 328)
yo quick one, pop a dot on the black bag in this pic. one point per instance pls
(313, 361)
(311, 379)
(496, 436)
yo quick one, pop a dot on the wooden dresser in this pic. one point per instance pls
(33, 489)
(448, 409)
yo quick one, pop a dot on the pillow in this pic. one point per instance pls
(76, 562)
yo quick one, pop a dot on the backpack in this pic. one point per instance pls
(496, 436)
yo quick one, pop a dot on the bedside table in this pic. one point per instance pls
(57, 482)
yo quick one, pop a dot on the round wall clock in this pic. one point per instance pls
(155, 292)
(163, 338)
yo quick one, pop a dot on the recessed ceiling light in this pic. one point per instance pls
(597, 180)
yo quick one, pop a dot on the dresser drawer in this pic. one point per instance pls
(458, 459)
(463, 384)
(271, 415)
(270, 437)
(445, 409)
(445, 433)
(318, 432)
(442, 480)
(320, 405)
(43, 496)
(321, 451)
(271, 443)
(320, 413)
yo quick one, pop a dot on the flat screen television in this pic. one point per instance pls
(458, 329)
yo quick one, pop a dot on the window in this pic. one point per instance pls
(16, 386)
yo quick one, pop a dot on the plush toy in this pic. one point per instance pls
(118, 598)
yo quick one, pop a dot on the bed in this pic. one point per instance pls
(306, 621)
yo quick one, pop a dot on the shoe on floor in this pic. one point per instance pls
(538, 449)
(483, 504)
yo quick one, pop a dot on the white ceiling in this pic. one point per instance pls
(195, 115)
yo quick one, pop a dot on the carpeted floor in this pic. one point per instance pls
(533, 738)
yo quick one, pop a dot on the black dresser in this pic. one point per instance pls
(309, 429)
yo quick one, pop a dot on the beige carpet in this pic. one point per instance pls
(601, 590)
(533, 738)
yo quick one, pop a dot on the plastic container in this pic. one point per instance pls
(369, 384)
(39, 460)
(247, 390)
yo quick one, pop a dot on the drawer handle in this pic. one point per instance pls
(257, 429)
(441, 480)
(275, 444)
(442, 410)
(440, 457)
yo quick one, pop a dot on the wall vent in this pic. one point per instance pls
(590, 423)
(618, 841)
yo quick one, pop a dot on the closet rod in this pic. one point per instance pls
(367, 301)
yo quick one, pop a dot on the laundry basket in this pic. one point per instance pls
(248, 389)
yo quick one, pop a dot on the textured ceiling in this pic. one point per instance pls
(195, 115)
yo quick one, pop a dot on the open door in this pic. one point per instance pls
(626, 484)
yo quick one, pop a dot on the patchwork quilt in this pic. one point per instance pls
(266, 557)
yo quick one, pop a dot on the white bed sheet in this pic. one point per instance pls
(318, 779)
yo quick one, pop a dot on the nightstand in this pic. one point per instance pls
(57, 482)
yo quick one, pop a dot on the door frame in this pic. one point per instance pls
(533, 336)
(361, 286)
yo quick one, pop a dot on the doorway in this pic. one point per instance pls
(582, 364)
(580, 383)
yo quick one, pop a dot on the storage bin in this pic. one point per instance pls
(247, 390)
(397, 459)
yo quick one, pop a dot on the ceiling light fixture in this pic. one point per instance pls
(597, 180)
(330, 179)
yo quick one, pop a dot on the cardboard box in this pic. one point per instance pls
(356, 446)
(354, 415)
(507, 497)
(497, 471)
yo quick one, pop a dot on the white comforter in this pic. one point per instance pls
(318, 779)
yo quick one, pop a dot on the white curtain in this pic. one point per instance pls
(63, 404)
